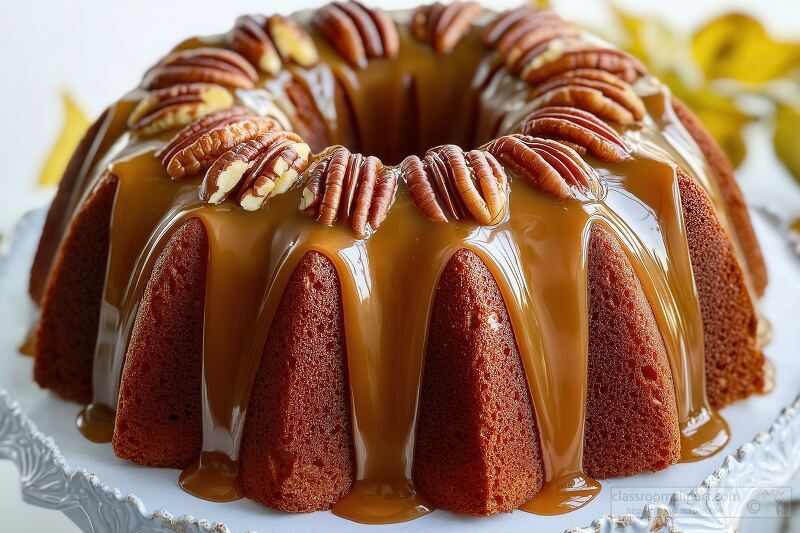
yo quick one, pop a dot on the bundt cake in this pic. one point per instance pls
(382, 263)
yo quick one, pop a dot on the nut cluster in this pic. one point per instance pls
(357, 32)
(447, 182)
(204, 65)
(177, 106)
(519, 34)
(268, 42)
(539, 45)
(563, 55)
(256, 170)
(596, 91)
(198, 145)
(551, 166)
(350, 188)
(582, 130)
(443, 26)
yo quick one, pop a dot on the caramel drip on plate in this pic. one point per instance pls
(537, 255)
(28, 346)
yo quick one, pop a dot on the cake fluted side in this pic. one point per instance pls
(158, 418)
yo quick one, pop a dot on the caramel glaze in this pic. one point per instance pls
(537, 255)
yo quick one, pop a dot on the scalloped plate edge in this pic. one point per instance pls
(47, 480)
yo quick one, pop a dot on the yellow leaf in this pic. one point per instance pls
(736, 46)
(540, 4)
(787, 138)
(75, 124)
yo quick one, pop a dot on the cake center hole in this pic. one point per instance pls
(393, 109)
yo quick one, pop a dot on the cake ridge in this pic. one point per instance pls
(252, 255)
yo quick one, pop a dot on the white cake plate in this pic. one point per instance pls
(59, 469)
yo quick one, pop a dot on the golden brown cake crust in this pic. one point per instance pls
(632, 419)
(57, 220)
(159, 419)
(297, 449)
(477, 446)
(67, 333)
(734, 362)
(731, 194)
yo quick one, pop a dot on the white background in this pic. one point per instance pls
(99, 49)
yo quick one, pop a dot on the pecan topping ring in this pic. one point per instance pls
(443, 26)
(357, 32)
(580, 128)
(550, 166)
(268, 42)
(448, 182)
(256, 170)
(209, 65)
(199, 144)
(596, 91)
(177, 106)
(349, 188)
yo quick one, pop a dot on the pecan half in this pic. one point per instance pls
(276, 170)
(177, 106)
(187, 135)
(349, 188)
(268, 42)
(580, 128)
(210, 65)
(548, 165)
(443, 27)
(357, 32)
(199, 144)
(294, 44)
(596, 91)
(561, 55)
(504, 21)
(256, 170)
(518, 34)
(448, 182)
(523, 51)
(249, 38)
(421, 189)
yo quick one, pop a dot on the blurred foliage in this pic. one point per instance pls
(75, 124)
(787, 138)
(728, 58)
(736, 46)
